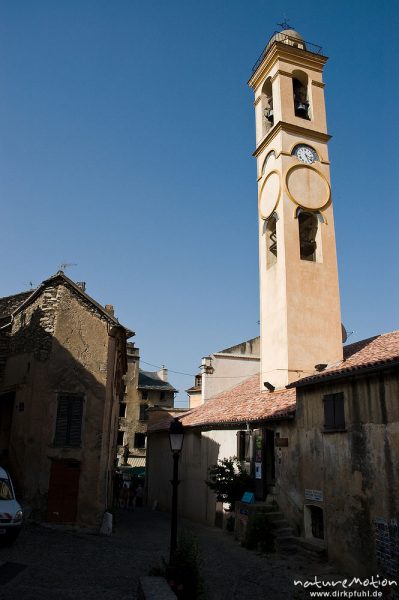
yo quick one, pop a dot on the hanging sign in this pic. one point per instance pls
(315, 495)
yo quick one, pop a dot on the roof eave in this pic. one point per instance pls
(349, 372)
(241, 423)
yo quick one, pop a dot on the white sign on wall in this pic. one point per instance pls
(258, 470)
(315, 495)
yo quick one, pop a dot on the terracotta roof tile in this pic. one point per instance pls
(244, 402)
(376, 351)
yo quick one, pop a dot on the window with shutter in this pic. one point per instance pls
(244, 445)
(68, 428)
(334, 411)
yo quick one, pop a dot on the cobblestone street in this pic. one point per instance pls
(63, 565)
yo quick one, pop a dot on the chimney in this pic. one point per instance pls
(82, 285)
(163, 373)
(109, 309)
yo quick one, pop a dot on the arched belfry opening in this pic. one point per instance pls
(309, 236)
(267, 106)
(271, 240)
(300, 95)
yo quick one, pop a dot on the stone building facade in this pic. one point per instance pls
(62, 367)
(145, 390)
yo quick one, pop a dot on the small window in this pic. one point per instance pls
(143, 412)
(144, 395)
(162, 396)
(244, 445)
(68, 428)
(122, 409)
(120, 438)
(334, 413)
(139, 440)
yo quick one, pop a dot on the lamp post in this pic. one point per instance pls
(176, 436)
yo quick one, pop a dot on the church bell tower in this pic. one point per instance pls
(299, 292)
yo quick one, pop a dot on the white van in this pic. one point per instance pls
(10, 510)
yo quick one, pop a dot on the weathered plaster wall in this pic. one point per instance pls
(356, 470)
(229, 371)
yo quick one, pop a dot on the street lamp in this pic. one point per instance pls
(176, 436)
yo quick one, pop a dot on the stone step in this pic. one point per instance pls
(312, 547)
(284, 532)
(280, 524)
(273, 515)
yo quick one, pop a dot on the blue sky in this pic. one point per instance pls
(126, 134)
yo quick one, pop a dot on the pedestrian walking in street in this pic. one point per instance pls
(124, 497)
(139, 495)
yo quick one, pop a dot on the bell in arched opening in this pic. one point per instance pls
(308, 226)
(301, 103)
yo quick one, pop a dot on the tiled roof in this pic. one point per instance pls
(245, 402)
(9, 304)
(150, 380)
(378, 351)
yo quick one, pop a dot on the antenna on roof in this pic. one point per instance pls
(64, 266)
(29, 285)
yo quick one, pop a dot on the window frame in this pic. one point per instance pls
(244, 445)
(143, 416)
(67, 440)
(334, 412)
(139, 433)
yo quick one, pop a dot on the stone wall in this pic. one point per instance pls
(62, 344)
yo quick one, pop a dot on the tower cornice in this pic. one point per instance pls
(289, 54)
(290, 128)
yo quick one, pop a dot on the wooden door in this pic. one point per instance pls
(7, 402)
(62, 505)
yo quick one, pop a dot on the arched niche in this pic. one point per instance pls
(310, 248)
(270, 229)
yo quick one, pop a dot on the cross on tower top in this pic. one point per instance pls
(284, 24)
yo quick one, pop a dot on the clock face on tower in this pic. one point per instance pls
(306, 154)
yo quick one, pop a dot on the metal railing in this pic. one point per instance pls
(283, 38)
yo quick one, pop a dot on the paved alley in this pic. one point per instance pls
(67, 565)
